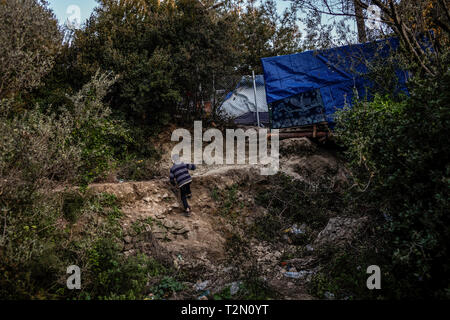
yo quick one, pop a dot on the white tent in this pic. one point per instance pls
(240, 104)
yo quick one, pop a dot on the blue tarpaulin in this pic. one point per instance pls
(308, 87)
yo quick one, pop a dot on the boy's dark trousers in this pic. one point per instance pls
(185, 193)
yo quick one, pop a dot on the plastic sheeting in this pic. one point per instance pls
(300, 110)
(250, 118)
(335, 74)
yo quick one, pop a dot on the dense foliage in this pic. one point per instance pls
(73, 111)
(399, 150)
(68, 115)
(170, 55)
(30, 40)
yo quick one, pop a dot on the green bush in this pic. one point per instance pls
(171, 55)
(166, 287)
(42, 157)
(112, 275)
(73, 203)
(101, 139)
(30, 39)
(399, 151)
(36, 253)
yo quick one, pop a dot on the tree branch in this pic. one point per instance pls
(401, 28)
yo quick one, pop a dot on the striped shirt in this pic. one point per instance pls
(179, 173)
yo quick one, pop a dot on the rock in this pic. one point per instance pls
(158, 229)
(160, 216)
(168, 224)
(178, 225)
(127, 239)
(147, 199)
(339, 231)
(277, 254)
(160, 235)
(170, 236)
(180, 231)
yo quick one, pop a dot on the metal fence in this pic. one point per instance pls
(234, 97)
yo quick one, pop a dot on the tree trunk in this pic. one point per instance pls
(362, 36)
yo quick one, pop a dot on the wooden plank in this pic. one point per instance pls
(309, 134)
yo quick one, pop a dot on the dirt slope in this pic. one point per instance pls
(200, 241)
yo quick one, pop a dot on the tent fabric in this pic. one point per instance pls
(336, 74)
(250, 118)
(240, 104)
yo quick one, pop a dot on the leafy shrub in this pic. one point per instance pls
(42, 154)
(139, 170)
(100, 138)
(166, 287)
(343, 272)
(400, 154)
(29, 42)
(40, 273)
(172, 55)
(73, 203)
(228, 199)
(113, 275)
(77, 145)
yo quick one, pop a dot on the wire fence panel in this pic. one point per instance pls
(238, 98)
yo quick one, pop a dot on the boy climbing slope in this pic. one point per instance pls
(179, 175)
